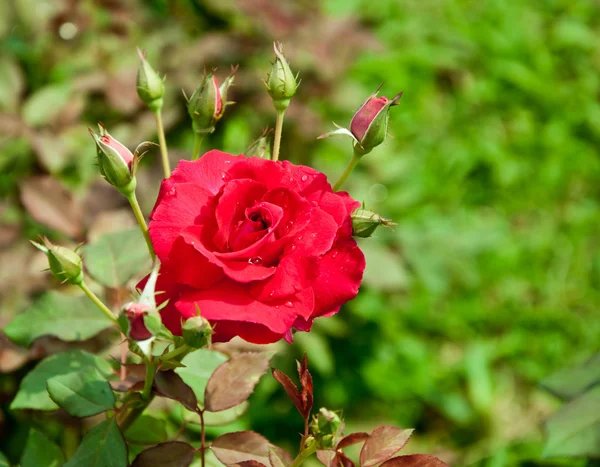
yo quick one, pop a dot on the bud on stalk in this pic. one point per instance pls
(281, 83)
(364, 223)
(261, 147)
(115, 161)
(208, 102)
(135, 313)
(66, 265)
(326, 428)
(150, 86)
(196, 332)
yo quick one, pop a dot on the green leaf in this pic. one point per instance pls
(116, 257)
(3, 461)
(82, 393)
(574, 430)
(70, 318)
(102, 446)
(571, 382)
(39, 451)
(147, 429)
(32, 392)
(199, 366)
(225, 417)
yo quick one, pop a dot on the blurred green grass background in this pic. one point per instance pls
(490, 280)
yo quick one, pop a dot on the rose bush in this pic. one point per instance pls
(257, 247)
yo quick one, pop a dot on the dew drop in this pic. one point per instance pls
(272, 293)
(314, 203)
(228, 162)
(334, 254)
(256, 260)
(172, 191)
(223, 175)
(304, 178)
(289, 304)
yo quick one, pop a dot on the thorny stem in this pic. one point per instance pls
(278, 128)
(197, 145)
(163, 144)
(137, 212)
(147, 397)
(94, 298)
(349, 168)
(150, 370)
(304, 454)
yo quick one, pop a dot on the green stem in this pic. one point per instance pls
(163, 143)
(94, 298)
(197, 145)
(304, 455)
(349, 168)
(137, 212)
(278, 128)
(70, 440)
(175, 353)
(202, 438)
(132, 415)
(150, 370)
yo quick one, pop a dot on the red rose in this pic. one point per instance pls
(258, 247)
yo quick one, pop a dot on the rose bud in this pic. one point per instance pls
(326, 428)
(196, 332)
(365, 222)
(208, 102)
(116, 162)
(261, 147)
(369, 125)
(135, 313)
(281, 82)
(66, 265)
(150, 86)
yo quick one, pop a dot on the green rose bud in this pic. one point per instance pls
(196, 332)
(150, 86)
(115, 161)
(326, 428)
(281, 82)
(364, 223)
(66, 265)
(208, 102)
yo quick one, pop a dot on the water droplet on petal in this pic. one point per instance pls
(227, 162)
(172, 191)
(256, 260)
(289, 304)
(272, 293)
(304, 178)
(314, 203)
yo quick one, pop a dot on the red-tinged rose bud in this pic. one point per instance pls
(208, 102)
(369, 124)
(115, 161)
(66, 265)
(135, 313)
(150, 86)
(281, 82)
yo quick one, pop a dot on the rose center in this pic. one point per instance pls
(250, 229)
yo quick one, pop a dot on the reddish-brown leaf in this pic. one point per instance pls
(290, 388)
(234, 380)
(279, 457)
(169, 384)
(306, 382)
(326, 457)
(172, 454)
(383, 443)
(51, 204)
(415, 460)
(341, 460)
(250, 464)
(241, 446)
(351, 439)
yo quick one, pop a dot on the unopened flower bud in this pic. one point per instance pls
(66, 265)
(135, 313)
(326, 428)
(208, 102)
(281, 83)
(369, 124)
(115, 161)
(196, 332)
(150, 86)
(261, 147)
(364, 223)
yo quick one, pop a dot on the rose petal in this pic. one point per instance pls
(294, 273)
(182, 205)
(210, 170)
(190, 267)
(271, 173)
